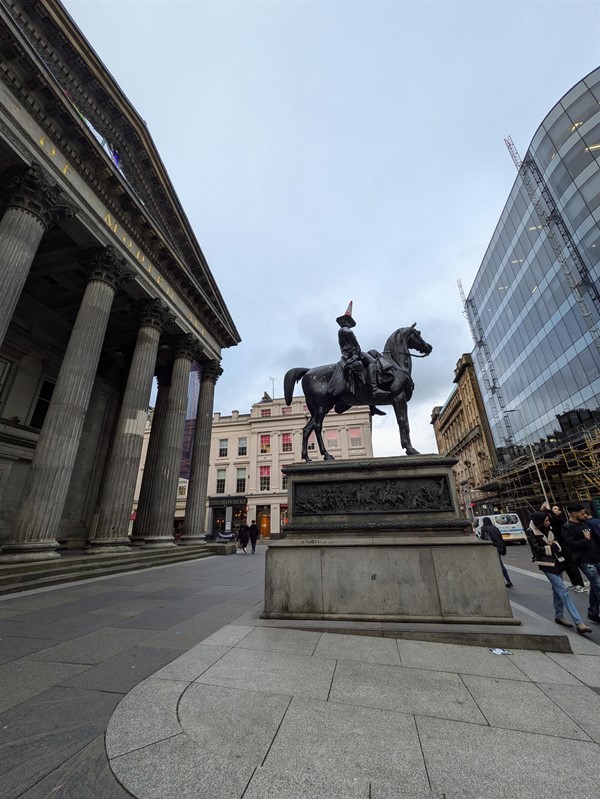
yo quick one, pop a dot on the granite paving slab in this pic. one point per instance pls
(131, 607)
(177, 767)
(456, 658)
(580, 703)
(520, 706)
(538, 667)
(21, 679)
(40, 734)
(9, 614)
(41, 601)
(273, 640)
(404, 690)
(160, 618)
(272, 672)
(229, 722)
(173, 593)
(330, 739)
(122, 672)
(585, 667)
(68, 628)
(229, 635)
(146, 715)
(197, 602)
(186, 634)
(94, 647)
(15, 648)
(468, 761)
(86, 774)
(268, 783)
(189, 666)
(365, 648)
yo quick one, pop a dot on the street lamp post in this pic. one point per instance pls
(535, 463)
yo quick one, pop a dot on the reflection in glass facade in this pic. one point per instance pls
(545, 359)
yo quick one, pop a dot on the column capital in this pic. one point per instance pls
(31, 189)
(106, 266)
(153, 313)
(184, 346)
(211, 371)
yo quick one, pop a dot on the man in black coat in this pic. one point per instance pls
(489, 532)
(584, 545)
(253, 531)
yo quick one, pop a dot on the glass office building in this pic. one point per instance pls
(535, 319)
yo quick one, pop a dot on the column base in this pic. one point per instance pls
(24, 552)
(101, 546)
(159, 542)
(137, 541)
(198, 538)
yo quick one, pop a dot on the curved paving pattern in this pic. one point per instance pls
(257, 712)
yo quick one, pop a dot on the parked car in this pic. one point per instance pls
(509, 525)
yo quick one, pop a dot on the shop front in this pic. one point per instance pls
(226, 513)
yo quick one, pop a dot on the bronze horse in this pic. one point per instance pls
(395, 387)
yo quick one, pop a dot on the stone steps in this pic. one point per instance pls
(73, 566)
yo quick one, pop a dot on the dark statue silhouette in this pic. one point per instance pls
(359, 378)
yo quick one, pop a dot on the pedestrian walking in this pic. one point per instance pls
(557, 520)
(584, 543)
(243, 536)
(253, 533)
(547, 555)
(492, 533)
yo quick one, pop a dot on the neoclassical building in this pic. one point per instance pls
(462, 430)
(103, 286)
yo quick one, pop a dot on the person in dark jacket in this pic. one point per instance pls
(584, 544)
(557, 519)
(491, 533)
(253, 531)
(243, 536)
(547, 555)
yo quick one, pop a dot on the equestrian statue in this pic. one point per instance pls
(359, 378)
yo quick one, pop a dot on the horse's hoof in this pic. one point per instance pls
(328, 457)
(412, 451)
(306, 459)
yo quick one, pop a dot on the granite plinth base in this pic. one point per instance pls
(449, 579)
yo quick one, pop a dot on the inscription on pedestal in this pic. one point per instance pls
(399, 495)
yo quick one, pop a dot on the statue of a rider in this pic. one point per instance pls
(356, 367)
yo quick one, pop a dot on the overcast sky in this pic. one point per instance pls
(335, 151)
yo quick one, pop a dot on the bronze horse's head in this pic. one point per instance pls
(415, 341)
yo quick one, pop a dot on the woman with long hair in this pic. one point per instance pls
(547, 555)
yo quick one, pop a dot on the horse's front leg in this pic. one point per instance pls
(401, 411)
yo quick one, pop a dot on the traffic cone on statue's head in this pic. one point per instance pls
(346, 319)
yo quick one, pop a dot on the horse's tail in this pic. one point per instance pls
(290, 380)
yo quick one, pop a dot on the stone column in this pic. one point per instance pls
(33, 535)
(32, 203)
(149, 479)
(195, 507)
(119, 483)
(160, 511)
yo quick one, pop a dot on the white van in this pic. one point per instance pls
(508, 523)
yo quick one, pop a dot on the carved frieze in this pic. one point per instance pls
(398, 495)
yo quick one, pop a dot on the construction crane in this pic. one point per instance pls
(486, 363)
(581, 284)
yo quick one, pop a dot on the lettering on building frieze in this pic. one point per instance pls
(400, 495)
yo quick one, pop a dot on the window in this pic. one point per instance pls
(240, 481)
(287, 410)
(41, 405)
(222, 448)
(312, 442)
(242, 446)
(286, 442)
(264, 412)
(331, 437)
(355, 437)
(221, 481)
(265, 478)
(284, 483)
(265, 444)
(182, 490)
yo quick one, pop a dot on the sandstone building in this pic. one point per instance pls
(102, 286)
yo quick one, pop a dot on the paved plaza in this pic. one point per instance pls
(166, 683)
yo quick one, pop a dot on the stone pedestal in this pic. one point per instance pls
(381, 540)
